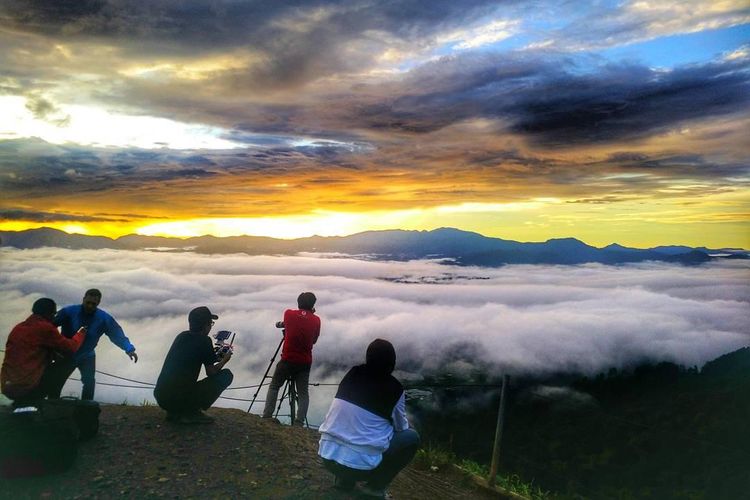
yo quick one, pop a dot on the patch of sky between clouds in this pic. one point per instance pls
(677, 50)
(85, 125)
(98, 127)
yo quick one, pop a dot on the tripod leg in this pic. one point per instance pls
(281, 399)
(265, 375)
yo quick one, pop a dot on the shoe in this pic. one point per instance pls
(271, 419)
(298, 423)
(343, 484)
(368, 491)
(196, 418)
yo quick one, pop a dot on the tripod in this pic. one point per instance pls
(289, 390)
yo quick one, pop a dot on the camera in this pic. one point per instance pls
(279, 324)
(221, 346)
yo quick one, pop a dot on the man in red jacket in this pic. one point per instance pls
(302, 329)
(30, 370)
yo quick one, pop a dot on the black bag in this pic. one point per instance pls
(85, 414)
(38, 443)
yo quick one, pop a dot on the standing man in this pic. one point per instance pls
(178, 390)
(32, 368)
(97, 323)
(302, 329)
(365, 435)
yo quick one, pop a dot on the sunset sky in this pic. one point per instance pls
(608, 121)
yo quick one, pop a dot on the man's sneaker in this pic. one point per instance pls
(343, 484)
(298, 423)
(368, 491)
(195, 418)
(271, 419)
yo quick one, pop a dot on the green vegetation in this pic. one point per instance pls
(656, 432)
(431, 456)
(435, 457)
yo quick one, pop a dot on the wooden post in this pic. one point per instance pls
(498, 435)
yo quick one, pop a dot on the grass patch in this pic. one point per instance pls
(508, 482)
(434, 458)
(429, 457)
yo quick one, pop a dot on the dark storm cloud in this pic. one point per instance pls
(34, 167)
(300, 41)
(553, 103)
(625, 101)
(30, 215)
(689, 165)
(224, 22)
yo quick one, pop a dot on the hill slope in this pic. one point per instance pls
(139, 455)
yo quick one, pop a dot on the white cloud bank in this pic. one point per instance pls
(519, 319)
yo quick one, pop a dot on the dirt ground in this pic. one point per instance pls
(137, 454)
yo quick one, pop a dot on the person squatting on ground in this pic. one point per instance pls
(97, 323)
(302, 329)
(178, 390)
(33, 367)
(365, 436)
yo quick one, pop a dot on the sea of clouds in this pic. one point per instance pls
(514, 319)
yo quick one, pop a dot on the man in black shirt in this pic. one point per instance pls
(178, 390)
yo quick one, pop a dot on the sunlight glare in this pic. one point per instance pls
(87, 125)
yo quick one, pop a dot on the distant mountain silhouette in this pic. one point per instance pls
(461, 247)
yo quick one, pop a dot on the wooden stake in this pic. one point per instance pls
(498, 435)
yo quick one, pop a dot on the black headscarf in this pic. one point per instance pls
(381, 357)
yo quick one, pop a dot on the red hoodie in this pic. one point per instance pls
(29, 350)
(302, 331)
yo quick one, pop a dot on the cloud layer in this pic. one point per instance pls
(517, 319)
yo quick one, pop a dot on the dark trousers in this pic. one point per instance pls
(299, 374)
(199, 395)
(50, 385)
(87, 368)
(400, 452)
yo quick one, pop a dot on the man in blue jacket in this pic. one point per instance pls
(97, 323)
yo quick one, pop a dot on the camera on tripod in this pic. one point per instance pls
(221, 346)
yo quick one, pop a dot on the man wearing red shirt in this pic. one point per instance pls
(302, 329)
(30, 371)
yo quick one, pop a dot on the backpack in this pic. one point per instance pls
(37, 443)
(85, 414)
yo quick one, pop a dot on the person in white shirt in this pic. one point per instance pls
(365, 435)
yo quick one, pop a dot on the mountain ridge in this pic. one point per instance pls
(450, 244)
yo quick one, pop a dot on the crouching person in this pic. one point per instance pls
(178, 390)
(365, 435)
(34, 367)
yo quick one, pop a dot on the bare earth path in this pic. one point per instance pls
(139, 455)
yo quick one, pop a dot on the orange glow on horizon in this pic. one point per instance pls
(636, 223)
